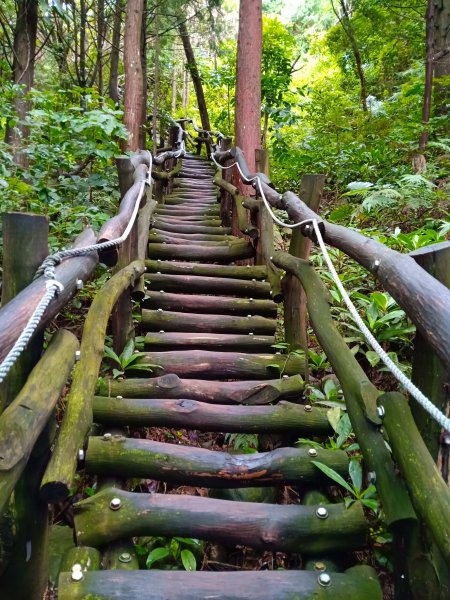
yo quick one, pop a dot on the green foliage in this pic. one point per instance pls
(247, 443)
(126, 361)
(170, 553)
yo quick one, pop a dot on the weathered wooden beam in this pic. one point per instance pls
(154, 320)
(235, 251)
(207, 270)
(223, 305)
(208, 341)
(182, 228)
(241, 212)
(164, 237)
(88, 558)
(143, 224)
(360, 394)
(77, 420)
(357, 583)
(288, 528)
(201, 237)
(201, 284)
(222, 365)
(214, 392)
(185, 220)
(16, 313)
(25, 418)
(284, 417)
(429, 492)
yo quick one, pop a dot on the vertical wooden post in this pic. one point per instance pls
(226, 202)
(295, 321)
(428, 373)
(25, 238)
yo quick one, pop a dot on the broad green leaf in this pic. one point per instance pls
(372, 357)
(333, 416)
(128, 350)
(343, 429)
(330, 388)
(155, 555)
(355, 472)
(188, 560)
(331, 473)
(109, 353)
(371, 504)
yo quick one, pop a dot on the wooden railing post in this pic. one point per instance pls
(25, 245)
(428, 373)
(226, 202)
(295, 317)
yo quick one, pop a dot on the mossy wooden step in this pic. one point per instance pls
(205, 220)
(190, 236)
(182, 228)
(124, 457)
(154, 320)
(284, 417)
(238, 250)
(169, 211)
(207, 270)
(208, 341)
(208, 304)
(222, 365)
(214, 392)
(165, 237)
(357, 583)
(207, 285)
(285, 528)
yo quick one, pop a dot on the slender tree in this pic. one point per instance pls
(442, 62)
(134, 88)
(248, 80)
(113, 91)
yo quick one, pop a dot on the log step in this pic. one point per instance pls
(201, 237)
(208, 304)
(213, 392)
(222, 365)
(356, 583)
(285, 528)
(224, 254)
(206, 270)
(119, 456)
(207, 220)
(171, 238)
(285, 417)
(173, 211)
(207, 285)
(182, 228)
(154, 320)
(208, 341)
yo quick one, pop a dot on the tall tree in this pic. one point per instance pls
(248, 80)
(24, 51)
(442, 62)
(195, 75)
(113, 91)
(134, 86)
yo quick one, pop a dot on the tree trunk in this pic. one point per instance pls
(115, 52)
(248, 80)
(429, 68)
(442, 63)
(155, 88)
(101, 31)
(23, 73)
(143, 129)
(133, 117)
(192, 67)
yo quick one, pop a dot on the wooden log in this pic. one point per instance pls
(201, 237)
(88, 558)
(171, 238)
(360, 394)
(167, 175)
(208, 341)
(16, 313)
(236, 251)
(355, 584)
(429, 492)
(179, 211)
(214, 392)
(238, 200)
(428, 372)
(288, 528)
(181, 228)
(285, 417)
(153, 320)
(210, 285)
(223, 365)
(209, 304)
(190, 200)
(120, 556)
(143, 224)
(206, 270)
(25, 245)
(187, 465)
(77, 420)
(126, 169)
(26, 417)
(180, 220)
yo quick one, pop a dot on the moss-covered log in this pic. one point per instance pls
(25, 418)
(290, 528)
(430, 494)
(180, 220)
(284, 417)
(171, 238)
(238, 250)
(226, 286)
(77, 420)
(357, 583)
(241, 212)
(213, 392)
(120, 556)
(206, 270)
(182, 228)
(187, 465)
(222, 365)
(208, 341)
(179, 211)
(222, 305)
(154, 320)
(156, 234)
(88, 558)
(360, 394)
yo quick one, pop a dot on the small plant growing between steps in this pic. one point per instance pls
(171, 553)
(126, 361)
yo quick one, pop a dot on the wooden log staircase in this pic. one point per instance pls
(209, 327)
